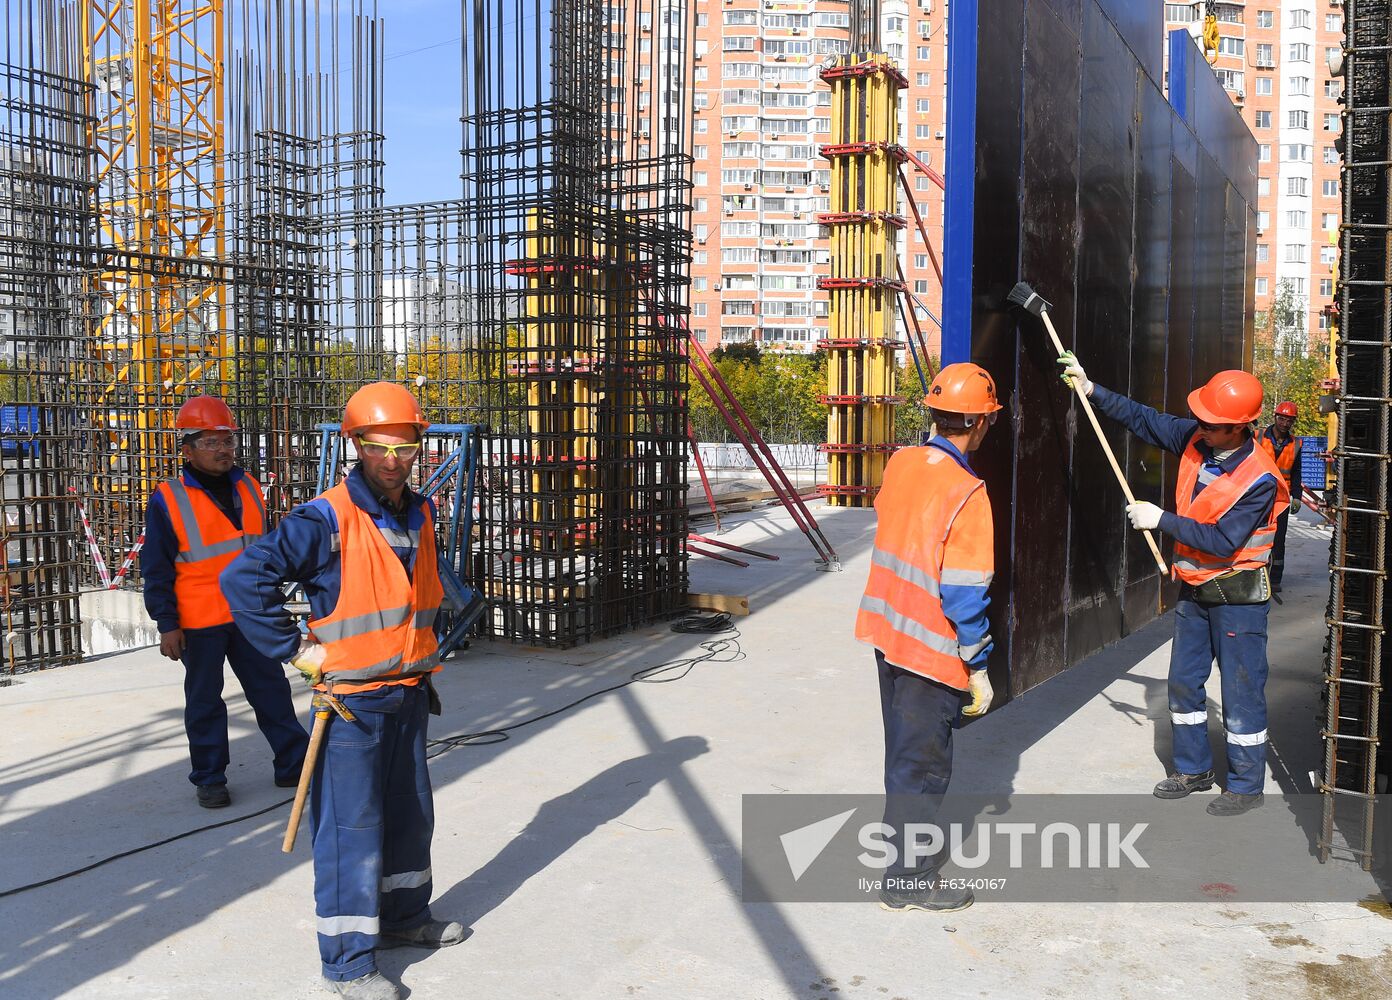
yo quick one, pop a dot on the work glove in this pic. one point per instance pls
(1295, 506)
(979, 687)
(309, 661)
(1144, 515)
(1073, 372)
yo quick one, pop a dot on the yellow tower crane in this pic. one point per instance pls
(158, 322)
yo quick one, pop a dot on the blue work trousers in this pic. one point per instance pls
(1235, 635)
(205, 713)
(919, 715)
(1278, 549)
(371, 817)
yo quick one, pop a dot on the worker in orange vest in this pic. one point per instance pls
(924, 611)
(1284, 449)
(195, 526)
(364, 551)
(1228, 499)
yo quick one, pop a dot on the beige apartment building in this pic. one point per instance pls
(1274, 62)
(761, 114)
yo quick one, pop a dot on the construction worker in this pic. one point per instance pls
(364, 552)
(195, 526)
(1227, 502)
(924, 611)
(1284, 449)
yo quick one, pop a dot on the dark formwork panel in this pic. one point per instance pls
(1137, 222)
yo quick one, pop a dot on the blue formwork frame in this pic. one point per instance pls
(462, 461)
(960, 176)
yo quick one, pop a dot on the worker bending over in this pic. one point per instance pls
(1284, 449)
(1228, 500)
(195, 525)
(364, 552)
(924, 611)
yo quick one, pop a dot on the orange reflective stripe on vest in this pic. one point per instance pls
(901, 611)
(208, 542)
(381, 631)
(1284, 461)
(1194, 566)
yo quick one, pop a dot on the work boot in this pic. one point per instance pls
(373, 986)
(1233, 804)
(934, 897)
(431, 934)
(1178, 785)
(213, 796)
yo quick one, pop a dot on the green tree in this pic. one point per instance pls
(1287, 367)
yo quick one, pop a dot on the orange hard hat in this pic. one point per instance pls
(380, 404)
(1287, 409)
(1230, 397)
(204, 413)
(963, 388)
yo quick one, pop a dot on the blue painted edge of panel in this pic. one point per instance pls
(960, 174)
(1178, 89)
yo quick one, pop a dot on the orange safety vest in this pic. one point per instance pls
(1194, 566)
(208, 542)
(1286, 460)
(381, 631)
(901, 613)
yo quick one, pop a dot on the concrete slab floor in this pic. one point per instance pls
(596, 854)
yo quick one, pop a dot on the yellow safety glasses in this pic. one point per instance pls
(377, 449)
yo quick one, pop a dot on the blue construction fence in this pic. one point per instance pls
(1313, 468)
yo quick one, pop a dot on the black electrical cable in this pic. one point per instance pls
(718, 624)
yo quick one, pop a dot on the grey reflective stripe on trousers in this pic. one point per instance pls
(356, 625)
(197, 551)
(914, 629)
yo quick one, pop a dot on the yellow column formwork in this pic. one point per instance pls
(863, 284)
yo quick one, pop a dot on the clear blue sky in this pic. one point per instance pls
(421, 100)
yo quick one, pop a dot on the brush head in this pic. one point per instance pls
(1027, 298)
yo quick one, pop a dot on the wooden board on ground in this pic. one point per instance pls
(729, 603)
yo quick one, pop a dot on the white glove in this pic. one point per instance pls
(1144, 515)
(1073, 372)
(309, 661)
(979, 686)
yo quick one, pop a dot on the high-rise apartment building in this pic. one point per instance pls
(1273, 59)
(760, 114)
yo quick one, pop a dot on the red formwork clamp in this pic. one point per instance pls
(832, 150)
(857, 399)
(830, 490)
(843, 448)
(855, 343)
(538, 267)
(850, 218)
(843, 284)
(868, 68)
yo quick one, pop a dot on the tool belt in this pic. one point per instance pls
(1241, 586)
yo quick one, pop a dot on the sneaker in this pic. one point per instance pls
(213, 796)
(1233, 804)
(934, 898)
(431, 934)
(1178, 785)
(373, 986)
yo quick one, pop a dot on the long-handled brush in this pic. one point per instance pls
(1027, 298)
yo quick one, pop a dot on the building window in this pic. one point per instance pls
(922, 105)
(1331, 155)
(1263, 187)
(1329, 188)
(1261, 286)
(920, 288)
(923, 131)
(699, 178)
(1298, 119)
(1263, 86)
(1231, 79)
(701, 125)
(701, 232)
(1333, 22)
(1262, 119)
(699, 284)
(1266, 56)
(1297, 152)
(1264, 153)
(1266, 19)
(699, 152)
(1181, 13)
(923, 51)
(738, 43)
(1263, 252)
(1295, 253)
(1331, 123)
(1328, 221)
(1324, 321)
(700, 257)
(699, 205)
(1229, 46)
(698, 308)
(1300, 86)
(1263, 221)
(741, 17)
(920, 260)
(1326, 287)
(1297, 186)
(1328, 255)
(1297, 219)
(1300, 19)
(1333, 88)
(1299, 52)
(923, 79)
